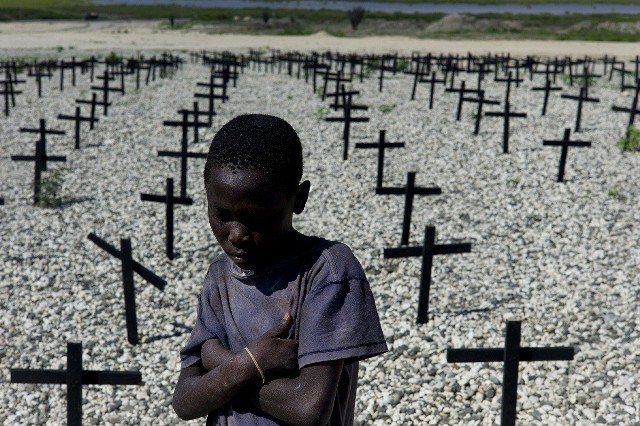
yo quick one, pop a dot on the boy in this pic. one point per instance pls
(283, 318)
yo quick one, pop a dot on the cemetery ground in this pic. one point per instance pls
(563, 258)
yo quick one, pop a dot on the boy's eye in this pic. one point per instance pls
(223, 217)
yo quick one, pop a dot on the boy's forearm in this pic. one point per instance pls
(303, 400)
(213, 354)
(199, 392)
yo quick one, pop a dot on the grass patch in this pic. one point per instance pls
(631, 140)
(385, 109)
(50, 185)
(616, 195)
(322, 113)
(167, 73)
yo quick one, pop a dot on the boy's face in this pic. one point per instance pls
(250, 215)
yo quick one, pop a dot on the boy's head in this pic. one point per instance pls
(252, 178)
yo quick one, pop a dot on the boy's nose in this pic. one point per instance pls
(238, 233)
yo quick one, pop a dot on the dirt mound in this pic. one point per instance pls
(466, 23)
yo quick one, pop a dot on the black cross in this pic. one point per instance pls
(129, 266)
(427, 251)
(211, 95)
(40, 158)
(420, 70)
(196, 123)
(510, 356)
(93, 102)
(633, 109)
(78, 119)
(480, 100)
(432, 83)
(507, 114)
(72, 65)
(384, 67)
(74, 377)
(38, 74)
(381, 145)
(183, 153)
(105, 90)
(347, 106)
(339, 80)
(510, 80)
(565, 143)
(9, 93)
(461, 92)
(582, 97)
(170, 202)
(547, 88)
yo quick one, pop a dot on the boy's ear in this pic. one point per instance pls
(301, 197)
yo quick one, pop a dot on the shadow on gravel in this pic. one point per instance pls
(183, 330)
(68, 203)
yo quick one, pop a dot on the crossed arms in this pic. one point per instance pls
(297, 397)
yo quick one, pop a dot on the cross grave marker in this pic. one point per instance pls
(75, 376)
(426, 251)
(129, 266)
(565, 143)
(170, 200)
(511, 356)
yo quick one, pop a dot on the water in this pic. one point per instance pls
(551, 8)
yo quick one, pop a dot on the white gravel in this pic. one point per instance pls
(561, 257)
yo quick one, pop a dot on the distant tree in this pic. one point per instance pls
(266, 14)
(355, 15)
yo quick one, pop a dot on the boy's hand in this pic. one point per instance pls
(276, 355)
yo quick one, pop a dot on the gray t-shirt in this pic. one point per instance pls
(323, 286)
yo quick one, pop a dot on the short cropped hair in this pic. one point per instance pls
(260, 142)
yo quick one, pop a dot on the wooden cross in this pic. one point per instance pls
(40, 158)
(196, 117)
(170, 200)
(480, 100)
(64, 65)
(381, 145)
(93, 102)
(38, 74)
(9, 93)
(461, 92)
(183, 153)
(105, 90)
(211, 95)
(129, 266)
(339, 80)
(427, 251)
(633, 109)
(547, 88)
(383, 66)
(565, 143)
(419, 70)
(510, 80)
(511, 356)
(582, 97)
(432, 82)
(347, 107)
(78, 118)
(75, 376)
(506, 114)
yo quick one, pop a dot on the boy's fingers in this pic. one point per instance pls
(282, 328)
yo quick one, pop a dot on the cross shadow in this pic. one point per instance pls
(71, 201)
(183, 329)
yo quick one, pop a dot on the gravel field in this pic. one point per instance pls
(564, 258)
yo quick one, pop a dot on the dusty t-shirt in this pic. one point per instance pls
(324, 288)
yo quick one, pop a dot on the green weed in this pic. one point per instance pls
(616, 195)
(49, 194)
(322, 113)
(631, 140)
(167, 73)
(385, 109)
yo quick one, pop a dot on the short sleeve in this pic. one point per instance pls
(207, 326)
(339, 319)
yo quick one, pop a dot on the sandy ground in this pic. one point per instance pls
(128, 35)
